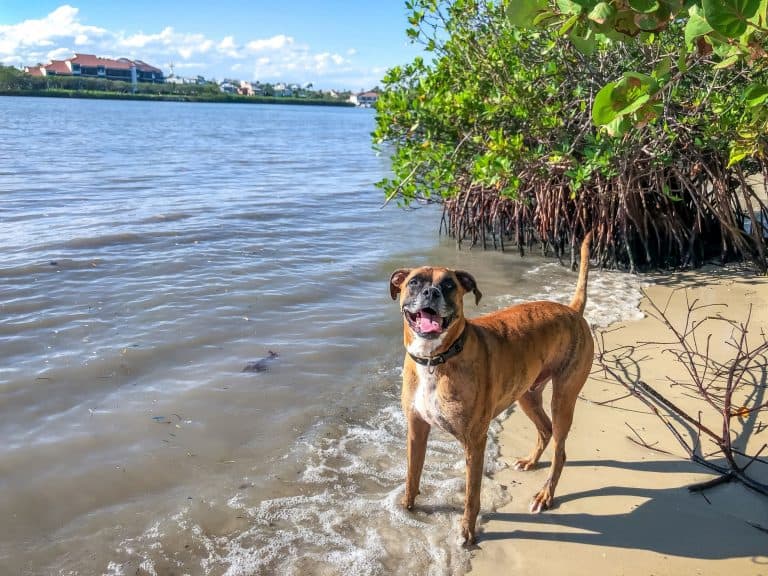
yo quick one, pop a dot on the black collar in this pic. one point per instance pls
(453, 350)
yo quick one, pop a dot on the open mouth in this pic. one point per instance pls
(426, 322)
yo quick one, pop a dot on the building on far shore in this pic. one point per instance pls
(90, 66)
(173, 79)
(364, 99)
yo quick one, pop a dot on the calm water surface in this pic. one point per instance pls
(150, 252)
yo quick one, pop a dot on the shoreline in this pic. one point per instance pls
(621, 508)
(223, 99)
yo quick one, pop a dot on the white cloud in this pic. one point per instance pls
(60, 25)
(279, 42)
(141, 40)
(271, 59)
(192, 66)
(166, 44)
(59, 54)
(228, 47)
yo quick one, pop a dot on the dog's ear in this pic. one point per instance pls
(396, 280)
(467, 282)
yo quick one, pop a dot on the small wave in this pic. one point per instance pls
(105, 241)
(170, 217)
(24, 271)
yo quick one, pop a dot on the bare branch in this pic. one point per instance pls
(720, 384)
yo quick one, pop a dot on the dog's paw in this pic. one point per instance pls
(468, 537)
(524, 464)
(542, 501)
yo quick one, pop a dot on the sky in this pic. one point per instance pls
(333, 44)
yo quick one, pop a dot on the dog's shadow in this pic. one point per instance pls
(670, 521)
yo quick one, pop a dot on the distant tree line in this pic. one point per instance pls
(17, 82)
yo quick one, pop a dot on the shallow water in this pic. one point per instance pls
(151, 251)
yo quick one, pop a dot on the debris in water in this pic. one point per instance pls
(261, 365)
(167, 420)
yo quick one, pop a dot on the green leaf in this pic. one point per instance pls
(624, 25)
(738, 151)
(623, 98)
(646, 22)
(727, 63)
(696, 26)
(760, 18)
(543, 17)
(635, 84)
(524, 12)
(667, 192)
(568, 24)
(569, 7)
(602, 12)
(729, 17)
(603, 111)
(644, 6)
(586, 44)
(634, 105)
(755, 94)
(618, 126)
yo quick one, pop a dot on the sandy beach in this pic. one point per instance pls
(620, 507)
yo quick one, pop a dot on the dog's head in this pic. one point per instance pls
(431, 299)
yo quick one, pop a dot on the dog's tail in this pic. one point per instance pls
(580, 298)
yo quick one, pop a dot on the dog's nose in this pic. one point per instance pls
(431, 292)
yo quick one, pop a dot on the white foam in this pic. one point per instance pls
(348, 518)
(611, 296)
(114, 569)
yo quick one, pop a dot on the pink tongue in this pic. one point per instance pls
(428, 323)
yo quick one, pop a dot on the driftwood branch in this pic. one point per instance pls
(732, 391)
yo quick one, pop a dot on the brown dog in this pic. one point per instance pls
(459, 374)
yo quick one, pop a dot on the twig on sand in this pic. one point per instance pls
(732, 391)
(641, 442)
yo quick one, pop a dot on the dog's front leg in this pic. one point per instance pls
(418, 431)
(475, 456)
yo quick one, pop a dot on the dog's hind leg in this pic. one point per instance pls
(418, 431)
(565, 392)
(531, 404)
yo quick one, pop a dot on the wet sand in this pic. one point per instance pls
(622, 508)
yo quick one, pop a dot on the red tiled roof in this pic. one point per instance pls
(91, 61)
(58, 67)
(144, 67)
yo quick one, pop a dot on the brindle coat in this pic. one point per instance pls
(507, 357)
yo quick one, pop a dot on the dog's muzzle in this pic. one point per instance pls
(426, 322)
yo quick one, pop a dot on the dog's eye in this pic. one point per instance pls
(449, 284)
(413, 283)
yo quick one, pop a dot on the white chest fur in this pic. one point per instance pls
(425, 400)
(423, 347)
